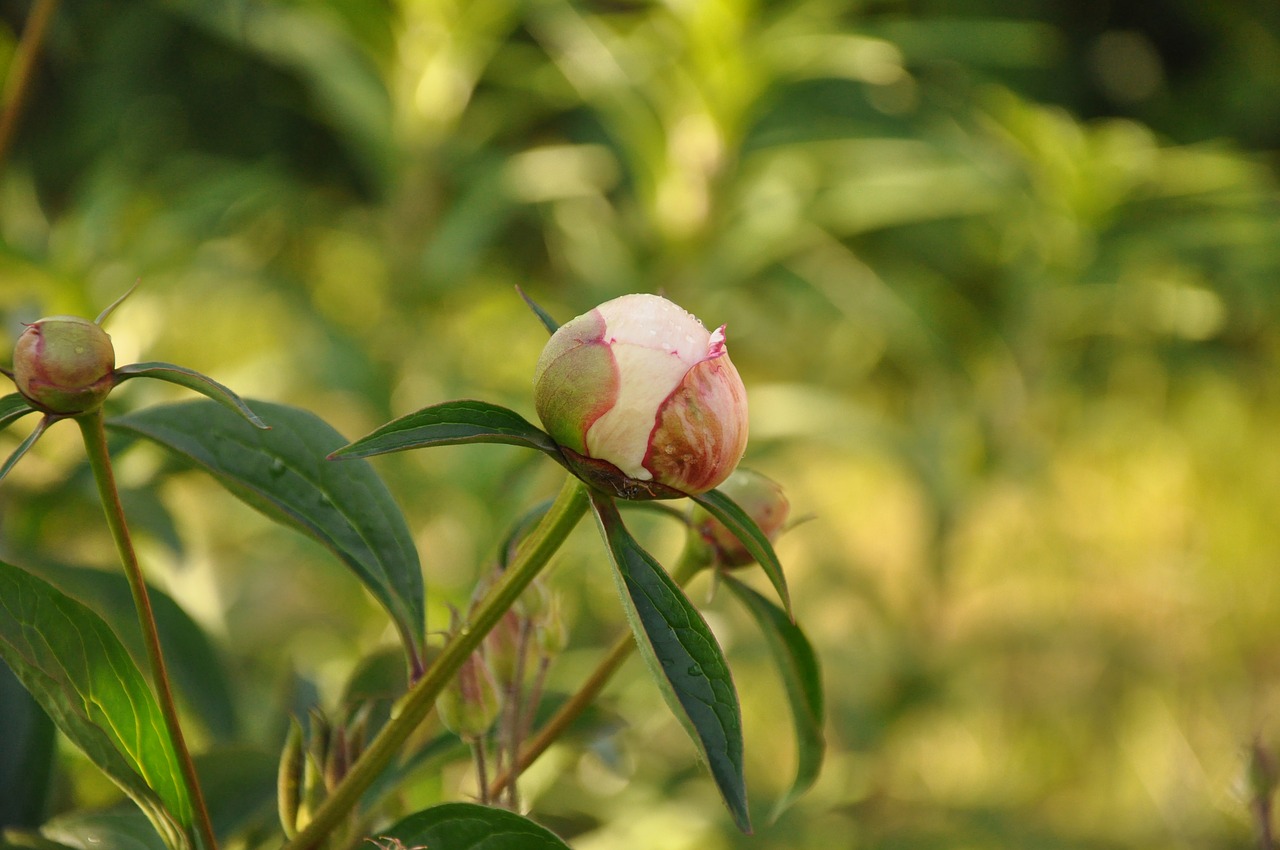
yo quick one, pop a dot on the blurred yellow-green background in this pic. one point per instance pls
(1002, 279)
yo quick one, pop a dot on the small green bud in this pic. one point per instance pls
(64, 365)
(469, 705)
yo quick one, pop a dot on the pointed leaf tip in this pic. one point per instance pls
(193, 380)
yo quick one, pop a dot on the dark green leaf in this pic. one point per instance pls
(83, 677)
(283, 473)
(451, 423)
(192, 380)
(239, 786)
(757, 544)
(199, 676)
(682, 655)
(27, 756)
(468, 826)
(798, 665)
(12, 408)
(117, 828)
(543, 316)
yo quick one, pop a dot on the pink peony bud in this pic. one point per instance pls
(760, 498)
(642, 399)
(64, 365)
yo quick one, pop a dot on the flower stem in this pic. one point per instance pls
(692, 561)
(533, 555)
(95, 443)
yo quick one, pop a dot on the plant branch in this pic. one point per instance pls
(533, 555)
(690, 564)
(95, 444)
(17, 88)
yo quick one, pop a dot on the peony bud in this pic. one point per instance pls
(642, 399)
(64, 365)
(760, 498)
(470, 703)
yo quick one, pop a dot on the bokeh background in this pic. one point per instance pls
(1003, 280)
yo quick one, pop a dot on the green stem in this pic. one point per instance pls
(692, 561)
(17, 88)
(533, 555)
(95, 443)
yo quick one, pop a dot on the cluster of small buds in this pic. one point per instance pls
(504, 675)
(315, 761)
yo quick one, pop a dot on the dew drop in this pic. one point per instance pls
(277, 466)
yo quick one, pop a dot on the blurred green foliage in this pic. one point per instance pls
(1001, 279)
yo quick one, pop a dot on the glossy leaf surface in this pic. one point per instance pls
(283, 473)
(83, 677)
(683, 657)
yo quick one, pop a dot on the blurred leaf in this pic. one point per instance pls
(83, 676)
(468, 826)
(283, 473)
(192, 380)
(798, 665)
(12, 408)
(199, 676)
(683, 657)
(117, 828)
(752, 538)
(239, 785)
(26, 759)
(451, 423)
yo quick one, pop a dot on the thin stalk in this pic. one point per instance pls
(533, 555)
(692, 561)
(95, 443)
(17, 88)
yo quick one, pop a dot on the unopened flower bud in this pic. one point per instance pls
(642, 399)
(760, 498)
(64, 365)
(469, 705)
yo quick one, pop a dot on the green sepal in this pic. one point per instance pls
(192, 380)
(451, 423)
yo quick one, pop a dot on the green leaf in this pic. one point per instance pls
(682, 655)
(451, 423)
(83, 677)
(12, 408)
(199, 676)
(239, 785)
(798, 665)
(192, 380)
(753, 539)
(117, 828)
(283, 473)
(469, 826)
(27, 756)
